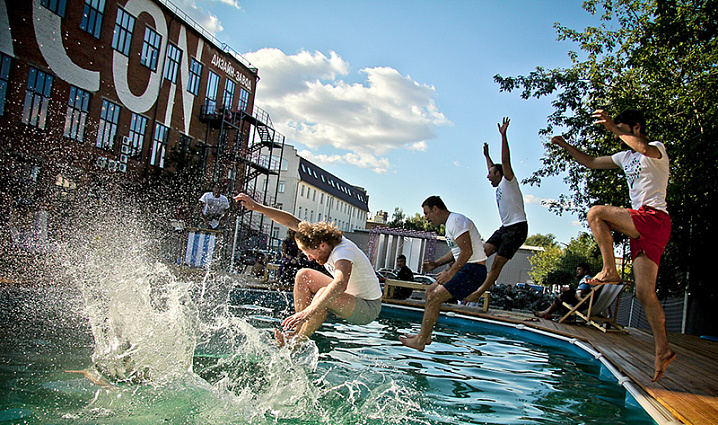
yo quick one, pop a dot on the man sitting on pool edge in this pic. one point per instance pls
(352, 293)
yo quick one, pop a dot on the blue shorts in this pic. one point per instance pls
(466, 280)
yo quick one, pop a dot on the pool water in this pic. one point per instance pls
(472, 373)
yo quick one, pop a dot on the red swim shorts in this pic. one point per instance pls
(654, 226)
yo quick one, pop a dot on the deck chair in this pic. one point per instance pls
(599, 302)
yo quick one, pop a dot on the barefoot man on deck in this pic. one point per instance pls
(352, 293)
(647, 223)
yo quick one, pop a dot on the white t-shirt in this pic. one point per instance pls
(214, 207)
(510, 202)
(647, 177)
(458, 224)
(363, 282)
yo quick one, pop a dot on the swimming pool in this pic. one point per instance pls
(473, 373)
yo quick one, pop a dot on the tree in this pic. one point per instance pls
(659, 56)
(545, 241)
(397, 220)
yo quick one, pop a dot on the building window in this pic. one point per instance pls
(212, 86)
(314, 196)
(311, 216)
(76, 116)
(138, 128)
(321, 198)
(185, 143)
(109, 119)
(159, 146)
(299, 214)
(5, 63)
(243, 99)
(151, 49)
(319, 217)
(122, 37)
(92, 17)
(37, 98)
(195, 77)
(228, 93)
(302, 193)
(56, 6)
(174, 59)
(281, 186)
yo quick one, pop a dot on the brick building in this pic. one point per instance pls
(98, 92)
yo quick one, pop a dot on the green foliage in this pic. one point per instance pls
(557, 266)
(659, 56)
(544, 241)
(415, 222)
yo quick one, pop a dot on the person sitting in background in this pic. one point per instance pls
(569, 295)
(404, 273)
(213, 207)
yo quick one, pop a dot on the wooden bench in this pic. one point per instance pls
(391, 284)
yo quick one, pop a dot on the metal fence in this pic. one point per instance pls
(631, 313)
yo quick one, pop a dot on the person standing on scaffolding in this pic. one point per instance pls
(352, 292)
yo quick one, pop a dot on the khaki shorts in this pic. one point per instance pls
(366, 311)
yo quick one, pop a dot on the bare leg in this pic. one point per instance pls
(435, 295)
(603, 219)
(645, 272)
(496, 267)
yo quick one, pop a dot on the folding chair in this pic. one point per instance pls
(599, 302)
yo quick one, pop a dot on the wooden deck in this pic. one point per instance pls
(689, 388)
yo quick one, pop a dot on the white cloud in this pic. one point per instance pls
(378, 165)
(457, 164)
(203, 17)
(419, 146)
(310, 102)
(576, 223)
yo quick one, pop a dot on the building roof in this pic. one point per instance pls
(328, 182)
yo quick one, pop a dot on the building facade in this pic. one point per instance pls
(105, 90)
(313, 194)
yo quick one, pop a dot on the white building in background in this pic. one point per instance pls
(313, 194)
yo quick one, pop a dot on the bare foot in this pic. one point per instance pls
(605, 276)
(661, 365)
(412, 341)
(279, 337)
(93, 376)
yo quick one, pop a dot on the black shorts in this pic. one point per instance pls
(466, 280)
(508, 240)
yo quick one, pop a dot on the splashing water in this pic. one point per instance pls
(169, 359)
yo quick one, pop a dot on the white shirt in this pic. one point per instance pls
(510, 202)
(647, 177)
(458, 224)
(363, 282)
(214, 207)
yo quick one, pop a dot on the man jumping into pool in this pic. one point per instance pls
(647, 223)
(508, 238)
(461, 279)
(353, 293)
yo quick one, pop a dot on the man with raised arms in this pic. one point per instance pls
(466, 273)
(647, 223)
(507, 240)
(352, 293)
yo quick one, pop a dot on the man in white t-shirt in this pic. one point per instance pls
(647, 223)
(507, 240)
(213, 207)
(467, 272)
(352, 292)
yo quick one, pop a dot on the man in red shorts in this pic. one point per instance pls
(647, 223)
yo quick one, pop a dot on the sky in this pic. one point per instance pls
(398, 97)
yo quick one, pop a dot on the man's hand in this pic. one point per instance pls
(296, 320)
(602, 117)
(429, 265)
(246, 201)
(486, 149)
(503, 126)
(558, 140)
